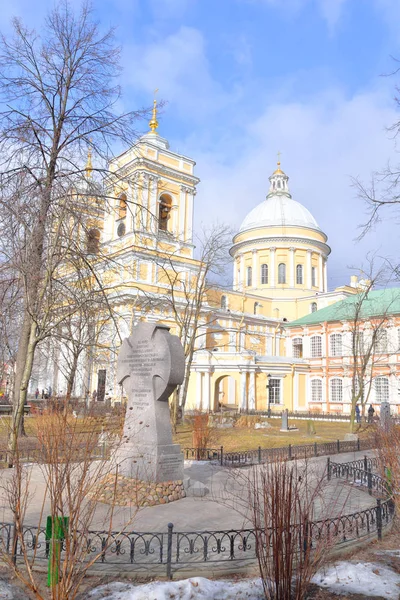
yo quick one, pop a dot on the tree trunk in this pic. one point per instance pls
(18, 412)
(19, 371)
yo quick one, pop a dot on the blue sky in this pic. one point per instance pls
(243, 79)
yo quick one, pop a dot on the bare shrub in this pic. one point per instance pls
(281, 499)
(73, 480)
(203, 433)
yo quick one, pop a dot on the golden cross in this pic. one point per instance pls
(279, 157)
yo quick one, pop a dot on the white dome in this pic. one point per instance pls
(279, 210)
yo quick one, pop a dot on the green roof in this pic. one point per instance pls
(375, 303)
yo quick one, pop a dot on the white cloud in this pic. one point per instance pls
(177, 65)
(324, 142)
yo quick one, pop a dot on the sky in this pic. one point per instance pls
(244, 79)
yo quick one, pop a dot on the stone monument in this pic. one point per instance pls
(285, 420)
(151, 363)
(385, 418)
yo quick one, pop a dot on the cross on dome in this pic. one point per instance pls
(279, 180)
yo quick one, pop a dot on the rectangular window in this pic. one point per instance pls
(297, 348)
(336, 390)
(382, 389)
(381, 342)
(316, 346)
(316, 390)
(101, 385)
(313, 276)
(275, 391)
(336, 344)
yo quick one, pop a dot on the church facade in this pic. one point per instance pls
(280, 263)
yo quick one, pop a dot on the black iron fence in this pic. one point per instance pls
(171, 550)
(289, 452)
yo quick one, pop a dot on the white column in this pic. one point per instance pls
(136, 208)
(153, 203)
(292, 268)
(198, 389)
(320, 273)
(131, 209)
(252, 390)
(189, 215)
(235, 273)
(231, 390)
(309, 265)
(325, 276)
(206, 391)
(296, 391)
(243, 390)
(272, 266)
(242, 279)
(182, 213)
(255, 269)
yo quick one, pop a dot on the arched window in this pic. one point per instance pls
(299, 274)
(313, 307)
(264, 275)
(122, 207)
(382, 389)
(223, 303)
(249, 276)
(316, 346)
(336, 390)
(297, 346)
(313, 276)
(316, 390)
(164, 210)
(335, 341)
(282, 273)
(93, 241)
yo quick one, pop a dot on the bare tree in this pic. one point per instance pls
(187, 294)
(58, 95)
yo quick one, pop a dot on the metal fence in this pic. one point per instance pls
(289, 452)
(170, 551)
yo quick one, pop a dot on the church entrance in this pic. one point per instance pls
(225, 393)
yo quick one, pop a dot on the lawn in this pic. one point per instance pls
(243, 438)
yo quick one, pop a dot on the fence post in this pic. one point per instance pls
(379, 518)
(259, 455)
(369, 481)
(290, 452)
(169, 551)
(14, 545)
(358, 444)
(221, 456)
(315, 449)
(365, 463)
(328, 468)
(338, 446)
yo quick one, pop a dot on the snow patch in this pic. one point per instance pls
(370, 579)
(195, 588)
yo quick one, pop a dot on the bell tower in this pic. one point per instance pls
(154, 190)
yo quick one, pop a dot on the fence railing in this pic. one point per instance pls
(171, 550)
(289, 452)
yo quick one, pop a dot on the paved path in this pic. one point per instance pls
(225, 507)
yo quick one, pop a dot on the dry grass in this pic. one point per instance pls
(243, 438)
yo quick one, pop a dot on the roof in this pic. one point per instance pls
(375, 303)
(279, 210)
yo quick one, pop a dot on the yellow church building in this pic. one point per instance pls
(280, 262)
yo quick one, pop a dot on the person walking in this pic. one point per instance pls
(371, 411)
(37, 393)
(357, 412)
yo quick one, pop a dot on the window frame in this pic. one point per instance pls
(313, 353)
(299, 274)
(275, 396)
(381, 397)
(336, 346)
(249, 276)
(264, 274)
(298, 346)
(313, 276)
(316, 380)
(282, 274)
(335, 390)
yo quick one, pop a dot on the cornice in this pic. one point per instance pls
(162, 169)
(277, 241)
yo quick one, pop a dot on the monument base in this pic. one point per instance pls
(164, 463)
(133, 492)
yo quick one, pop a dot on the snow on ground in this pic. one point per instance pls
(370, 579)
(10, 592)
(195, 588)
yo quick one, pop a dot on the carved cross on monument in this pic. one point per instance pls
(151, 364)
